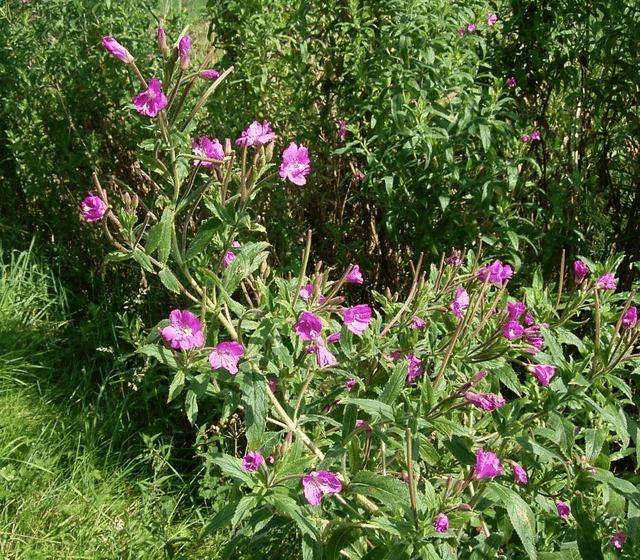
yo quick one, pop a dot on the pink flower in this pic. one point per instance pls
(117, 50)
(350, 383)
(415, 368)
(323, 356)
(471, 27)
(93, 208)
(359, 176)
(295, 164)
(354, 276)
(532, 339)
(309, 326)
(460, 302)
(485, 401)
(543, 373)
(535, 135)
(230, 256)
(618, 539)
(511, 82)
(184, 46)
(491, 19)
(342, 132)
(226, 355)
(497, 273)
(251, 461)
(209, 74)
(357, 318)
(441, 523)
(209, 149)
(273, 384)
(487, 465)
(333, 337)
(526, 138)
(184, 332)
(455, 259)
(519, 474)
(630, 318)
(306, 291)
(152, 101)
(418, 323)
(563, 509)
(461, 31)
(606, 282)
(515, 310)
(362, 424)
(580, 270)
(317, 483)
(256, 135)
(513, 330)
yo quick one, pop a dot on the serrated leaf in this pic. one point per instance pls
(460, 450)
(594, 439)
(290, 508)
(205, 234)
(377, 409)
(521, 517)
(220, 520)
(143, 260)
(169, 280)
(587, 533)
(160, 353)
(191, 406)
(254, 398)
(231, 466)
(176, 385)
(386, 489)
(396, 383)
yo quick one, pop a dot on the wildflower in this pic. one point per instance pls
(209, 74)
(486, 401)
(535, 135)
(630, 318)
(162, 41)
(441, 523)
(395, 355)
(273, 384)
(415, 368)
(309, 326)
(618, 539)
(226, 355)
(532, 339)
(526, 138)
(230, 256)
(306, 291)
(460, 302)
(357, 318)
(333, 337)
(513, 330)
(563, 509)
(497, 273)
(342, 132)
(455, 259)
(487, 465)
(362, 424)
(519, 473)
(93, 208)
(323, 356)
(295, 164)
(461, 31)
(117, 50)
(471, 27)
(511, 82)
(317, 483)
(256, 135)
(251, 461)
(580, 270)
(491, 19)
(515, 310)
(211, 149)
(350, 383)
(606, 282)
(359, 176)
(528, 318)
(418, 323)
(152, 101)
(184, 332)
(543, 373)
(184, 46)
(354, 276)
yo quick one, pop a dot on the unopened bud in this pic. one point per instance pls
(162, 42)
(228, 150)
(464, 507)
(184, 48)
(134, 202)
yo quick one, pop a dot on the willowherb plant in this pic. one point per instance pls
(462, 417)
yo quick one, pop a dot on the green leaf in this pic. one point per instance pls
(386, 489)
(460, 450)
(485, 136)
(396, 382)
(176, 385)
(254, 397)
(191, 405)
(205, 234)
(594, 439)
(160, 353)
(169, 280)
(231, 466)
(620, 486)
(520, 515)
(375, 408)
(290, 507)
(588, 541)
(143, 260)
(220, 519)
(164, 247)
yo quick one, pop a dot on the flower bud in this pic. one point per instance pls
(117, 50)
(184, 48)
(162, 42)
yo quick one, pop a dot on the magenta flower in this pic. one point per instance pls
(513, 330)
(226, 355)
(184, 47)
(441, 523)
(471, 27)
(306, 291)
(497, 273)
(342, 132)
(333, 337)
(543, 373)
(295, 164)
(630, 318)
(526, 138)
(273, 384)
(563, 509)
(357, 318)
(485, 401)
(455, 259)
(256, 135)
(491, 19)
(354, 276)
(230, 256)
(323, 356)
(487, 465)
(460, 302)
(618, 539)
(309, 326)
(117, 50)
(184, 332)
(461, 31)
(515, 310)
(362, 424)
(251, 461)
(418, 323)
(152, 101)
(519, 474)
(511, 82)
(415, 368)
(350, 383)
(209, 74)
(359, 176)
(211, 149)
(606, 282)
(580, 270)
(93, 208)
(532, 339)
(535, 135)
(317, 483)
